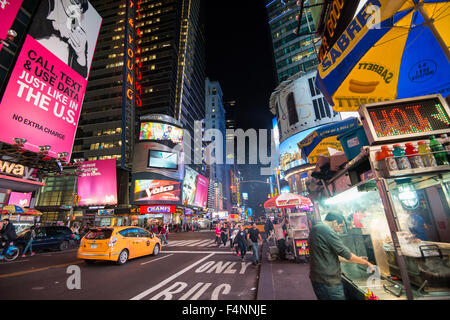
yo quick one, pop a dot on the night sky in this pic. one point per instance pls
(239, 56)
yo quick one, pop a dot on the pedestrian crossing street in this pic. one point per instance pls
(203, 243)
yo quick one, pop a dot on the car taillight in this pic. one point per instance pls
(112, 242)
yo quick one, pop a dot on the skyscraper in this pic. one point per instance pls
(292, 53)
(170, 71)
(215, 119)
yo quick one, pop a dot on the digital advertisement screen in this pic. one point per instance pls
(43, 99)
(189, 186)
(160, 131)
(20, 199)
(157, 190)
(201, 195)
(97, 184)
(162, 159)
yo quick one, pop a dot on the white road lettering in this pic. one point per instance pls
(229, 270)
(204, 267)
(244, 267)
(168, 293)
(219, 267)
(224, 288)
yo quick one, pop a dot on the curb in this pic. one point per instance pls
(266, 288)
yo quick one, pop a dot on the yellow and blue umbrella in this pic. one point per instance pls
(392, 49)
(12, 208)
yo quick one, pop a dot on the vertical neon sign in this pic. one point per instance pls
(138, 52)
(128, 90)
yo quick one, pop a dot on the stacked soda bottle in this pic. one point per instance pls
(399, 156)
(438, 152)
(385, 158)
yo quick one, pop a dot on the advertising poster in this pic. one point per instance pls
(189, 186)
(162, 159)
(201, 195)
(20, 199)
(157, 190)
(97, 184)
(160, 131)
(8, 12)
(43, 99)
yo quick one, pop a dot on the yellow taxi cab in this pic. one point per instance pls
(259, 226)
(117, 244)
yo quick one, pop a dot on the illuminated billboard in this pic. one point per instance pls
(162, 159)
(20, 199)
(157, 190)
(9, 11)
(201, 196)
(97, 184)
(300, 106)
(160, 131)
(43, 99)
(195, 188)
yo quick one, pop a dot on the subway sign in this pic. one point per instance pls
(406, 119)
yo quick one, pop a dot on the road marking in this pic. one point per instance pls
(15, 261)
(215, 252)
(157, 259)
(168, 280)
(40, 269)
(197, 243)
(207, 242)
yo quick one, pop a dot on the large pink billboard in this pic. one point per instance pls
(20, 199)
(43, 99)
(201, 195)
(97, 184)
(8, 12)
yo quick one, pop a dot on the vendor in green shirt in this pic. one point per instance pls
(325, 249)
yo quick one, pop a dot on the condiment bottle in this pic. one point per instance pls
(414, 159)
(388, 157)
(399, 155)
(425, 153)
(436, 147)
(446, 144)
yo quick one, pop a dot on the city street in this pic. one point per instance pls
(190, 267)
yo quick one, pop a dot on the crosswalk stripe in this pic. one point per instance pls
(183, 243)
(198, 243)
(207, 243)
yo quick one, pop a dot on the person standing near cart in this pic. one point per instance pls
(326, 248)
(280, 238)
(254, 235)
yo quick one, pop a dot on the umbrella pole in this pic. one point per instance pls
(430, 23)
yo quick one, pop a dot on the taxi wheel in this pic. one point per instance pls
(123, 257)
(156, 250)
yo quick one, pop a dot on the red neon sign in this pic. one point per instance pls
(413, 117)
(138, 58)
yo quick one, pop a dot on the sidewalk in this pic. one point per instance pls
(283, 280)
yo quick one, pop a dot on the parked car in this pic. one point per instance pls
(204, 223)
(118, 244)
(51, 237)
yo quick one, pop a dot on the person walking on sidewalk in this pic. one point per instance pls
(326, 247)
(32, 235)
(254, 236)
(231, 234)
(240, 242)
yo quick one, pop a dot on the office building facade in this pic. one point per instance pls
(292, 53)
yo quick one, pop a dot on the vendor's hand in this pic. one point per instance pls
(371, 268)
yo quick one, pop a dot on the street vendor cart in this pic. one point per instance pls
(294, 208)
(398, 217)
